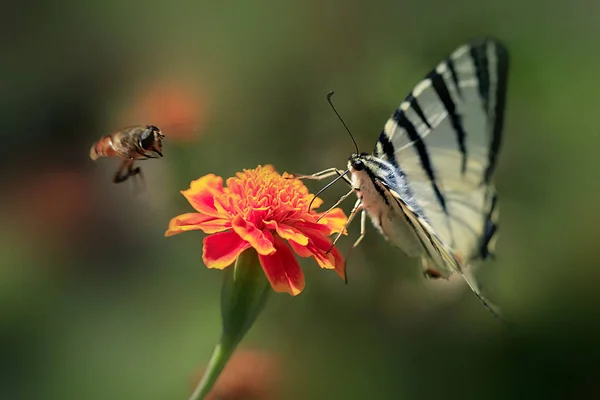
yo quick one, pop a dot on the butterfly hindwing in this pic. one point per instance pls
(442, 258)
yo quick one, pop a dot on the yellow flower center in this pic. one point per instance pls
(262, 194)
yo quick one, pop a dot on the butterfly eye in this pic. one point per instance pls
(358, 165)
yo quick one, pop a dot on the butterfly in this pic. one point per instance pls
(428, 185)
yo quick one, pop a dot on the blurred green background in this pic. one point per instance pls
(96, 304)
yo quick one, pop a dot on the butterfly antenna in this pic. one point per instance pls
(326, 187)
(341, 120)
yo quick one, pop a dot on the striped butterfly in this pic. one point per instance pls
(428, 186)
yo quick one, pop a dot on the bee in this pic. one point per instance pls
(132, 143)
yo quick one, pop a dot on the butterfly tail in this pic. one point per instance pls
(468, 276)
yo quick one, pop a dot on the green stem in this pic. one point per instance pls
(218, 360)
(243, 296)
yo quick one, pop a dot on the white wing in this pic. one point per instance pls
(445, 137)
(441, 255)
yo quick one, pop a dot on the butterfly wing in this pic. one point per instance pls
(445, 137)
(444, 259)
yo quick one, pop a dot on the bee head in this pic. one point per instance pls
(356, 163)
(151, 140)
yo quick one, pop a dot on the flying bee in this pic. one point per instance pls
(132, 143)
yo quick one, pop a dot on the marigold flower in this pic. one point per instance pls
(262, 209)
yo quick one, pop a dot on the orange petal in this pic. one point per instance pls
(325, 261)
(195, 221)
(282, 269)
(336, 220)
(222, 249)
(261, 241)
(202, 192)
(316, 203)
(288, 232)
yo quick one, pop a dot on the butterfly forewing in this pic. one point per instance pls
(444, 139)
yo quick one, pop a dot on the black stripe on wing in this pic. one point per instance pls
(502, 63)
(387, 149)
(440, 87)
(489, 230)
(480, 61)
(403, 122)
(452, 69)
(414, 104)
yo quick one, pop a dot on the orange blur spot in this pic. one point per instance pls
(175, 106)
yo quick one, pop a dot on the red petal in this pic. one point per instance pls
(302, 251)
(340, 263)
(288, 232)
(333, 260)
(317, 238)
(261, 241)
(282, 269)
(195, 221)
(222, 249)
(202, 192)
(316, 228)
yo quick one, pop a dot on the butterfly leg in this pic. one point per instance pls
(357, 207)
(363, 229)
(344, 197)
(326, 173)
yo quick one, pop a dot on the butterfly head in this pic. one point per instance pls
(356, 162)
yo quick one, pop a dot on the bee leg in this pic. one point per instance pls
(121, 175)
(137, 171)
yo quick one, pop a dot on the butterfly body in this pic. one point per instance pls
(378, 202)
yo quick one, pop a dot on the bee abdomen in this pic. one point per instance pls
(102, 148)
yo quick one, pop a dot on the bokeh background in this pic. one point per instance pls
(96, 304)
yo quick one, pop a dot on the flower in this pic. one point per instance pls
(262, 209)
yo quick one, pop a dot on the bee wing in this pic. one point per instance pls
(441, 255)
